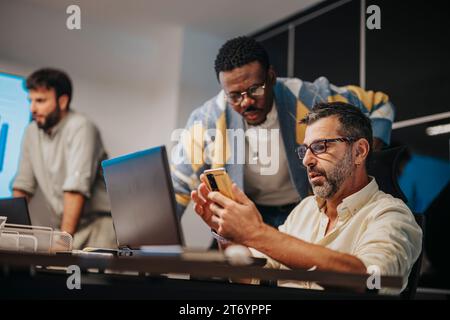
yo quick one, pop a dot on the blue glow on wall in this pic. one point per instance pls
(422, 179)
(3, 137)
(14, 118)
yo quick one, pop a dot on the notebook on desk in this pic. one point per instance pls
(143, 206)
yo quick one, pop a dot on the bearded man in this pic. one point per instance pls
(61, 154)
(348, 225)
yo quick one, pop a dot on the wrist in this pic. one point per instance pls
(257, 235)
(70, 231)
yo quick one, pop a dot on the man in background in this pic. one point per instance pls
(61, 154)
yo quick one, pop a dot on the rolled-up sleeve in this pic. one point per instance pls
(392, 243)
(84, 152)
(25, 179)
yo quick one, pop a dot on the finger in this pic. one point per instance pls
(207, 216)
(220, 199)
(203, 178)
(204, 191)
(195, 196)
(199, 209)
(215, 209)
(215, 221)
(239, 195)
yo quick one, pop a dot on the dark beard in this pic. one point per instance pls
(50, 120)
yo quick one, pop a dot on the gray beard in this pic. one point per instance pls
(335, 178)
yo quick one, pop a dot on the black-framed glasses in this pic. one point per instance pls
(320, 146)
(256, 90)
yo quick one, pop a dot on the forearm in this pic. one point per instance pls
(17, 193)
(296, 253)
(73, 206)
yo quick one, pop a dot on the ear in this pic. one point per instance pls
(362, 148)
(271, 74)
(64, 102)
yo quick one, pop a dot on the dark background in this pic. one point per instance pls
(408, 59)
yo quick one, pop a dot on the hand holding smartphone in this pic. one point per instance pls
(219, 180)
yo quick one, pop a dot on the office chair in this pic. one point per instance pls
(413, 280)
(385, 167)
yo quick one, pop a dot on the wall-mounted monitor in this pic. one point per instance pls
(14, 118)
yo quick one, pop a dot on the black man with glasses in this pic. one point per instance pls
(251, 128)
(348, 225)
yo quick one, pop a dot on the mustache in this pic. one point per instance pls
(317, 171)
(250, 109)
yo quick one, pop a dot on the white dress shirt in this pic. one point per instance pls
(375, 227)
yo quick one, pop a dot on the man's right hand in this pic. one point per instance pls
(202, 204)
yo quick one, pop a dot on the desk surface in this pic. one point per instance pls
(31, 270)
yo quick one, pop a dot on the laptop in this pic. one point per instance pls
(142, 202)
(15, 210)
(143, 208)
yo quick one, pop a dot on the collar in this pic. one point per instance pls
(354, 202)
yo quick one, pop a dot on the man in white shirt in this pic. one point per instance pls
(347, 226)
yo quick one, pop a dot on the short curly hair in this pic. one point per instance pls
(238, 52)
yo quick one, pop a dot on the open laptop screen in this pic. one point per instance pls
(142, 199)
(15, 210)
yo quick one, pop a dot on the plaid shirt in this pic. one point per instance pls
(294, 98)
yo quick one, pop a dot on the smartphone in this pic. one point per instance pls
(219, 180)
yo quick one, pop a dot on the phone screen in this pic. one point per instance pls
(218, 180)
(212, 182)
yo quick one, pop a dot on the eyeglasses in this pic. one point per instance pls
(236, 98)
(320, 146)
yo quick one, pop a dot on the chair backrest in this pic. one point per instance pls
(385, 167)
(413, 280)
